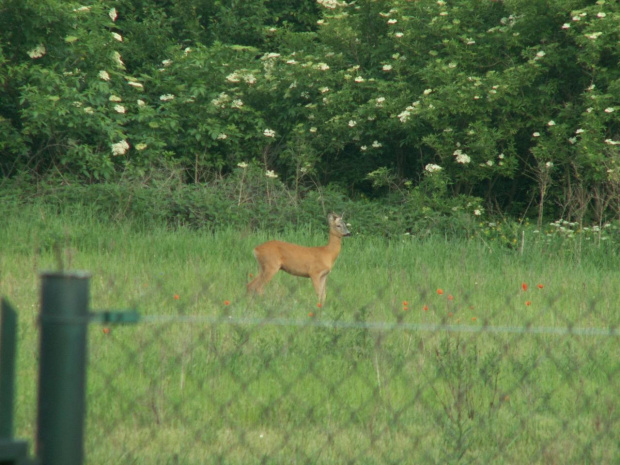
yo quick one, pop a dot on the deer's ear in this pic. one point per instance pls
(331, 218)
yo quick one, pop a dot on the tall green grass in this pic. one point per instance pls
(198, 383)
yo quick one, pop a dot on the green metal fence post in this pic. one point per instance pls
(62, 368)
(12, 451)
(8, 326)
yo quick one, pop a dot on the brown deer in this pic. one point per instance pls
(308, 262)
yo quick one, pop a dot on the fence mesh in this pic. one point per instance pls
(203, 380)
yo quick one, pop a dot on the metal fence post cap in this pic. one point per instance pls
(77, 274)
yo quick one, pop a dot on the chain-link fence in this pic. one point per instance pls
(252, 382)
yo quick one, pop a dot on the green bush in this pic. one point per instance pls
(517, 102)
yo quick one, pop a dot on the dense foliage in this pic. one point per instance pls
(509, 107)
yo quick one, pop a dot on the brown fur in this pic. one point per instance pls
(308, 262)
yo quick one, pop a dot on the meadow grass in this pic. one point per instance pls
(199, 382)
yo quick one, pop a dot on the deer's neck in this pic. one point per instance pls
(333, 246)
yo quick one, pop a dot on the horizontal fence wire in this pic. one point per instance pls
(339, 324)
(382, 326)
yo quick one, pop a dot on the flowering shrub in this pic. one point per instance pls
(477, 100)
(559, 236)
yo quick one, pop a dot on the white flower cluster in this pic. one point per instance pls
(118, 59)
(385, 15)
(432, 168)
(594, 35)
(221, 100)
(233, 77)
(461, 157)
(404, 115)
(269, 62)
(238, 76)
(331, 4)
(37, 52)
(120, 148)
(376, 145)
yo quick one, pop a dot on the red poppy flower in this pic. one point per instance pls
(524, 286)
(227, 302)
(540, 286)
(440, 291)
(425, 308)
(528, 303)
(176, 296)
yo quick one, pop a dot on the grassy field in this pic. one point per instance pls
(199, 381)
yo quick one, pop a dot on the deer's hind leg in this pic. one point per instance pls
(266, 273)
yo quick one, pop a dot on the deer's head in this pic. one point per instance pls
(337, 225)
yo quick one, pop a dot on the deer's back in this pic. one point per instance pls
(295, 259)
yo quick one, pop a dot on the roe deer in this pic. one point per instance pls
(308, 262)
